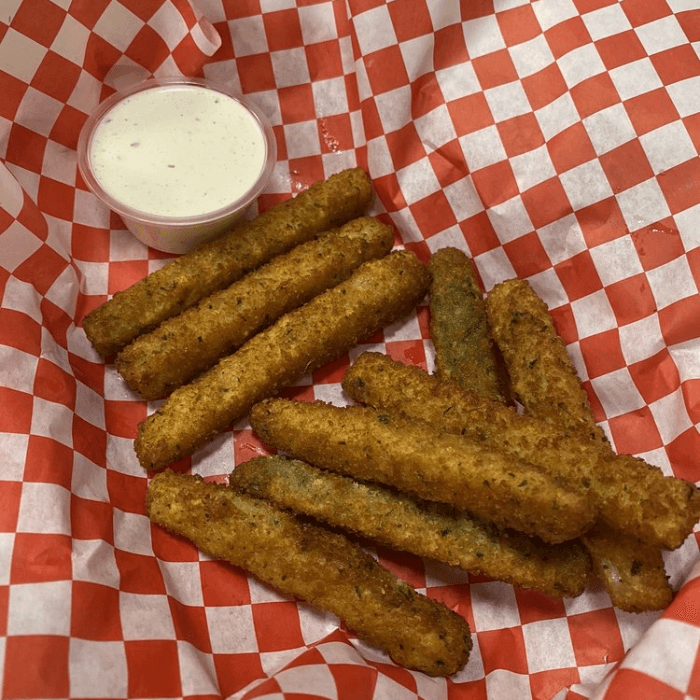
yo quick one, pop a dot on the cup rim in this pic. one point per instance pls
(88, 129)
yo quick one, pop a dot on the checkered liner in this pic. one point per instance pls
(554, 140)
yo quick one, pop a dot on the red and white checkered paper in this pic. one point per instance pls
(555, 140)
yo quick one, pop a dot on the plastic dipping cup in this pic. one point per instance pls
(179, 159)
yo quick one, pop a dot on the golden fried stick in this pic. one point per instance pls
(324, 568)
(633, 574)
(428, 529)
(465, 352)
(546, 383)
(188, 344)
(217, 264)
(378, 293)
(632, 496)
(542, 375)
(374, 446)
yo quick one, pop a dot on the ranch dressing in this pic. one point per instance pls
(177, 150)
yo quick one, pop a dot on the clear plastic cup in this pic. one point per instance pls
(179, 159)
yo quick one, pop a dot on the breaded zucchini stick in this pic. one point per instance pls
(322, 567)
(375, 446)
(632, 496)
(188, 344)
(633, 574)
(378, 293)
(465, 352)
(542, 375)
(397, 520)
(548, 386)
(217, 264)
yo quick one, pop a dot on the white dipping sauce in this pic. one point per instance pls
(177, 151)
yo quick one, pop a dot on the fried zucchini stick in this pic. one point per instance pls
(378, 293)
(324, 568)
(549, 388)
(465, 352)
(374, 446)
(427, 529)
(633, 574)
(542, 375)
(217, 264)
(632, 496)
(188, 344)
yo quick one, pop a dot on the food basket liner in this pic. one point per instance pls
(554, 140)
